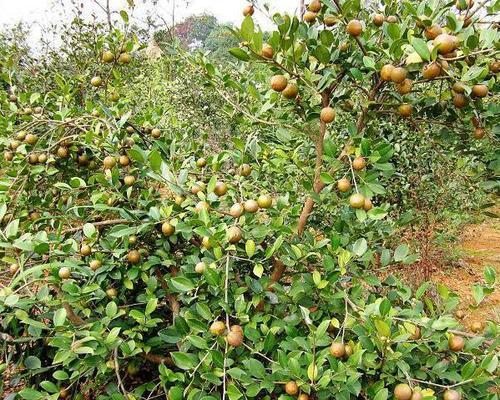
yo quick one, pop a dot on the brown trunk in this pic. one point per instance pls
(318, 185)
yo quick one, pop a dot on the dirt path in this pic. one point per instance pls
(479, 248)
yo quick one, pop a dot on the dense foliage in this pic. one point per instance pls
(195, 229)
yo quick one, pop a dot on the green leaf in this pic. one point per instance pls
(247, 28)
(182, 284)
(421, 48)
(233, 393)
(250, 248)
(360, 246)
(382, 395)
(32, 362)
(59, 317)
(184, 360)
(239, 54)
(89, 230)
(401, 252)
(31, 394)
(111, 309)
(151, 306)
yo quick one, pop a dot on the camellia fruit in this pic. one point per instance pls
(85, 250)
(291, 388)
(108, 56)
(279, 83)
(245, 170)
(398, 74)
(201, 162)
(220, 188)
(314, 6)
(267, 51)
(357, 200)
(64, 273)
(310, 16)
(265, 201)
(445, 43)
(368, 205)
(133, 257)
(234, 338)
(432, 32)
(359, 163)
(96, 81)
(124, 58)
(251, 206)
(378, 19)
(354, 28)
(477, 91)
(200, 206)
(459, 100)
(405, 86)
(200, 267)
(129, 180)
(217, 328)
(479, 133)
(405, 110)
(291, 91)
(431, 71)
(167, 229)
(456, 343)
(386, 72)
(236, 210)
(248, 10)
(337, 350)
(109, 162)
(327, 115)
(234, 234)
(402, 391)
(95, 265)
(344, 185)
(451, 394)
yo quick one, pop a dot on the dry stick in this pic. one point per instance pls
(97, 224)
(117, 372)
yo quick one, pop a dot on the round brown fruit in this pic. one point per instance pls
(495, 67)
(337, 350)
(357, 200)
(179, 200)
(378, 19)
(392, 19)
(417, 396)
(432, 32)
(327, 115)
(108, 56)
(330, 20)
(476, 327)
(8, 155)
(405, 110)
(124, 58)
(217, 328)
(85, 250)
(344, 185)
(359, 163)
(155, 133)
(167, 229)
(236, 210)
(368, 205)
(402, 391)
(248, 10)
(197, 187)
(279, 83)
(64, 273)
(417, 333)
(451, 394)
(398, 74)
(477, 91)
(62, 152)
(109, 162)
(445, 43)
(459, 314)
(95, 265)
(354, 27)
(96, 81)
(245, 170)
(265, 201)
(33, 158)
(13, 268)
(234, 339)
(458, 87)
(405, 86)
(205, 243)
(479, 133)
(456, 343)
(310, 16)
(291, 388)
(431, 71)
(129, 180)
(234, 234)
(267, 51)
(251, 206)
(303, 396)
(200, 206)
(220, 188)
(386, 72)
(459, 100)
(314, 6)
(124, 161)
(201, 162)
(64, 393)
(133, 257)
(31, 139)
(291, 91)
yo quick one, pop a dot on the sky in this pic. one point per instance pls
(37, 13)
